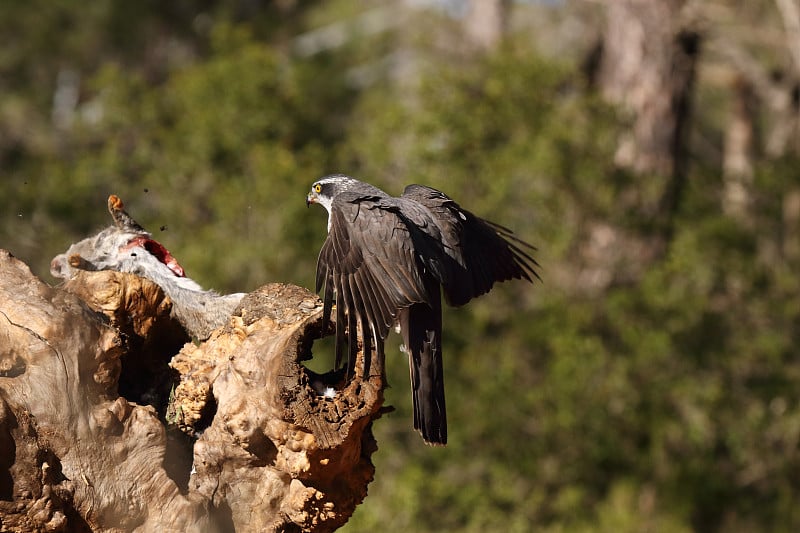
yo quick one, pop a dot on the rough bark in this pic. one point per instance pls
(102, 429)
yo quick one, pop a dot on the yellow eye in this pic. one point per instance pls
(317, 188)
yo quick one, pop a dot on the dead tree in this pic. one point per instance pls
(128, 247)
(108, 422)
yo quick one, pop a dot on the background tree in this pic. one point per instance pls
(633, 390)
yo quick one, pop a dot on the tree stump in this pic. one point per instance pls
(111, 421)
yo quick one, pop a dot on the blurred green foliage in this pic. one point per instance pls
(664, 401)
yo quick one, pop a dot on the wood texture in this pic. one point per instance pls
(109, 422)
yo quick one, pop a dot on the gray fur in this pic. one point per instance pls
(122, 248)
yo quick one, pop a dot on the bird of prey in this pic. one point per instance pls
(386, 262)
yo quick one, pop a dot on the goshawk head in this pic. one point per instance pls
(324, 190)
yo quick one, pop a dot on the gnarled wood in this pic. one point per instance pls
(92, 399)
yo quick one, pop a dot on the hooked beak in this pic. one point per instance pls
(310, 200)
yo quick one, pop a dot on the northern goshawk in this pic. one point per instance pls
(386, 261)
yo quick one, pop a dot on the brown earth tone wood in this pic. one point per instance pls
(110, 420)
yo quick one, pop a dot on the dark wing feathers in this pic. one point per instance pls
(369, 267)
(341, 340)
(517, 246)
(479, 253)
(384, 260)
(363, 310)
(352, 313)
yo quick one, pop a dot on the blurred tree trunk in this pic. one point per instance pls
(737, 164)
(648, 69)
(486, 22)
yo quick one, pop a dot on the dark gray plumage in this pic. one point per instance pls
(387, 260)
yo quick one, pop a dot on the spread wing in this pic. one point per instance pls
(368, 264)
(479, 253)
